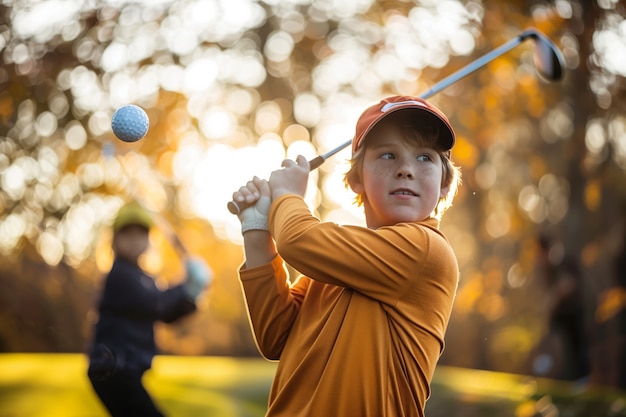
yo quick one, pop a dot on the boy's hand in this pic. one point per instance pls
(199, 276)
(257, 194)
(292, 179)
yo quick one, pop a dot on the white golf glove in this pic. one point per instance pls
(255, 217)
(199, 276)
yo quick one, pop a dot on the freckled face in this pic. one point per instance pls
(400, 179)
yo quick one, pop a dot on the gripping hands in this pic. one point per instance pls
(253, 200)
(255, 217)
(256, 195)
(199, 276)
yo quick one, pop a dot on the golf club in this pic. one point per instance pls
(548, 61)
(160, 221)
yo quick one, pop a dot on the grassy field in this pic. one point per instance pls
(55, 385)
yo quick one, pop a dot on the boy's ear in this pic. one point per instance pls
(444, 191)
(355, 185)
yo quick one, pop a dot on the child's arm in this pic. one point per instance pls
(272, 304)
(258, 245)
(130, 294)
(380, 263)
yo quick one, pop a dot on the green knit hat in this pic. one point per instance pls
(132, 214)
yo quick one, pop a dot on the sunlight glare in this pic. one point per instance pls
(115, 57)
(498, 223)
(239, 14)
(12, 228)
(122, 89)
(301, 147)
(210, 188)
(246, 69)
(217, 123)
(171, 77)
(295, 132)
(335, 190)
(50, 248)
(610, 45)
(279, 46)
(595, 137)
(75, 136)
(220, 82)
(241, 101)
(271, 148)
(13, 181)
(180, 39)
(307, 109)
(43, 19)
(268, 117)
(200, 75)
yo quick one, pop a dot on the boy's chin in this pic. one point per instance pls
(408, 215)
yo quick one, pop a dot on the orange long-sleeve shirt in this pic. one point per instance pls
(360, 332)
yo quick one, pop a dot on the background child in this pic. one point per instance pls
(359, 333)
(123, 345)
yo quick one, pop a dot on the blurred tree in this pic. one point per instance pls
(549, 164)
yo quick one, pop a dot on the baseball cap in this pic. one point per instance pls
(132, 214)
(374, 114)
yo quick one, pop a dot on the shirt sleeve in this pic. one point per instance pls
(273, 304)
(130, 293)
(381, 263)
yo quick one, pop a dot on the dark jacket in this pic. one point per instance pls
(130, 305)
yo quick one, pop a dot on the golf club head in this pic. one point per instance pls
(547, 57)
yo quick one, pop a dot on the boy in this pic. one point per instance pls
(124, 346)
(360, 331)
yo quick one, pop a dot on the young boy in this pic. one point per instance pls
(360, 331)
(123, 345)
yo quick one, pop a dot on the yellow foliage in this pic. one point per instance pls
(465, 154)
(610, 303)
(468, 293)
(593, 195)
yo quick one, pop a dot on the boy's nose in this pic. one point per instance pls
(404, 170)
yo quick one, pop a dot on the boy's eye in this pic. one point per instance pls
(424, 158)
(388, 155)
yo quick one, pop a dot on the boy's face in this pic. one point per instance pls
(131, 241)
(400, 179)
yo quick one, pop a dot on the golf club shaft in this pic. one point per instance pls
(472, 66)
(531, 33)
(169, 232)
(165, 227)
(160, 221)
(236, 208)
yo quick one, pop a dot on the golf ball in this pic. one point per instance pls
(130, 123)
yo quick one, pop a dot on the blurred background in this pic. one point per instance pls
(232, 87)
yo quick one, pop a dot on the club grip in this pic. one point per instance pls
(235, 208)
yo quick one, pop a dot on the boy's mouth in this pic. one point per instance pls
(403, 191)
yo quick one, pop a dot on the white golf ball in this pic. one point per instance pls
(130, 123)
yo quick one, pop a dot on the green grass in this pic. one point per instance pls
(56, 385)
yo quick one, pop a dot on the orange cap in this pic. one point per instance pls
(421, 107)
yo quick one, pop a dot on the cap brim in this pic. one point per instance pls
(446, 136)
